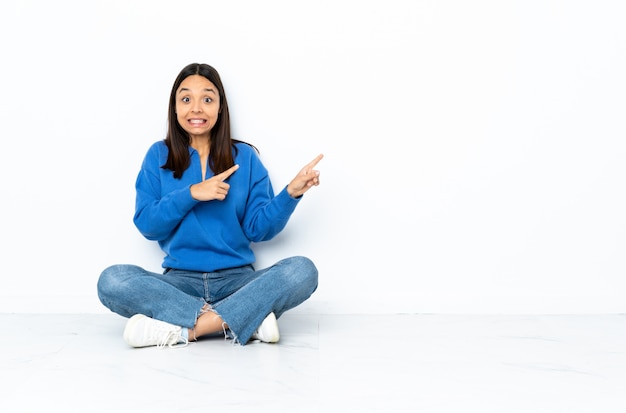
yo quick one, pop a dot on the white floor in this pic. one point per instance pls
(354, 363)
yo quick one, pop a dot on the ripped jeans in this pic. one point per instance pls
(241, 296)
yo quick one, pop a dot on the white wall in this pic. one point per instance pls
(474, 149)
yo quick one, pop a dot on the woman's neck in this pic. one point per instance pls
(201, 145)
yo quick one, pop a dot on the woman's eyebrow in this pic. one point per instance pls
(184, 89)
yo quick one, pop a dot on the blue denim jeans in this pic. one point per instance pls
(242, 296)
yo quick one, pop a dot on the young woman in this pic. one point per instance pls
(205, 197)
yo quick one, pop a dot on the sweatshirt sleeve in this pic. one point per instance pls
(157, 216)
(266, 214)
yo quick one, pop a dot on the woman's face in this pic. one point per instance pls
(197, 106)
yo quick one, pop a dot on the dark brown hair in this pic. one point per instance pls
(177, 140)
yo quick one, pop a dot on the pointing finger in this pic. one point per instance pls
(224, 175)
(314, 162)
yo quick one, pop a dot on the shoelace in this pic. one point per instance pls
(175, 343)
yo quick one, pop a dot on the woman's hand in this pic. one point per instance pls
(214, 187)
(306, 178)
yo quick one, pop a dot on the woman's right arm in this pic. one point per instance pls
(157, 216)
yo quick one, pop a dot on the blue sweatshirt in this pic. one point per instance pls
(206, 236)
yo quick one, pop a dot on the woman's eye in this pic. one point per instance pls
(185, 99)
(208, 100)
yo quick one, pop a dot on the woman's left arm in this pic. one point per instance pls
(266, 215)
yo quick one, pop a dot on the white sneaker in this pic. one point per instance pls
(268, 330)
(143, 331)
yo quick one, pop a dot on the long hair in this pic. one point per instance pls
(178, 141)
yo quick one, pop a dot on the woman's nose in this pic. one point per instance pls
(197, 107)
